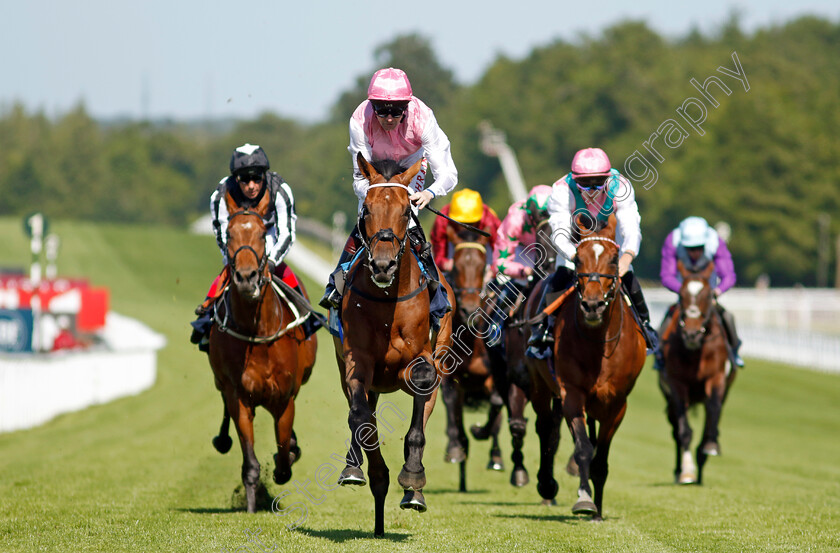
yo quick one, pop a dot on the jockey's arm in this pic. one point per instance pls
(359, 143)
(628, 227)
(280, 241)
(436, 149)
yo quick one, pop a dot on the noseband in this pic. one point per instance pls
(471, 246)
(609, 295)
(693, 312)
(263, 260)
(386, 234)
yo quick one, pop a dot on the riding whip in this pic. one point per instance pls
(465, 225)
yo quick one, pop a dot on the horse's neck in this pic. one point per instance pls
(258, 317)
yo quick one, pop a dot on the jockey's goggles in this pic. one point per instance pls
(384, 110)
(245, 178)
(591, 183)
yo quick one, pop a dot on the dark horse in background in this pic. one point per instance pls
(257, 349)
(697, 370)
(516, 376)
(387, 344)
(470, 378)
(599, 352)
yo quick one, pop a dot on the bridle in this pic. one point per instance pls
(263, 279)
(472, 246)
(610, 294)
(386, 234)
(694, 312)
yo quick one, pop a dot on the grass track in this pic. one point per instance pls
(139, 474)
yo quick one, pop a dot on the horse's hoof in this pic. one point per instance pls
(495, 464)
(413, 499)
(479, 432)
(519, 478)
(455, 454)
(585, 507)
(411, 480)
(687, 478)
(549, 502)
(222, 444)
(711, 449)
(351, 476)
(294, 455)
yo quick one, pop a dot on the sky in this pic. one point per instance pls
(192, 59)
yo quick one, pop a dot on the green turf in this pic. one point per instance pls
(139, 474)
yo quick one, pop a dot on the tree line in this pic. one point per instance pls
(734, 127)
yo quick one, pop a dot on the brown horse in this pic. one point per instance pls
(517, 376)
(697, 370)
(599, 352)
(257, 349)
(387, 344)
(470, 378)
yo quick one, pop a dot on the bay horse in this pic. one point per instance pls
(598, 354)
(516, 375)
(387, 344)
(697, 370)
(470, 377)
(257, 351)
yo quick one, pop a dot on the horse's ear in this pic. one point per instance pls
(230, 203)
(265, 202)
(682, 270)
(366, 168)
(611, 223)
(451, 235)
(408, 174)
(707, 270)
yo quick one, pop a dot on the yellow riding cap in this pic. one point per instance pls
(466, 206)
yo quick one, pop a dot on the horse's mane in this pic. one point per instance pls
(592, 226)
(388, 168)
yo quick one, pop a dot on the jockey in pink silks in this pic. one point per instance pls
(515, 257)
(592, 187)
(395, 125)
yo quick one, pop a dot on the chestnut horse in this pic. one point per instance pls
(386, 343)
(470, 377)
(599, 352)
(697, 370)
(257, 349)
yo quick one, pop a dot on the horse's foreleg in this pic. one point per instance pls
(377, 469)
(518, 426)
(548, 430)
(574, 415)
(600, 467)
(494, 422)
(412, 477)
(243, 419)
(686, 472)
(222, 442)
(453, 399)
(284, 419)
(709, 444)
(360, 414)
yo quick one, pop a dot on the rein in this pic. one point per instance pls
(225, 326)
(380, 235)
(465, 225)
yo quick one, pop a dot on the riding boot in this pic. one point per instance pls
(542, 332)
(731, 334)
(332, 296)
(659, 354)
(205, 310)
(637, 298)
(499, 312)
